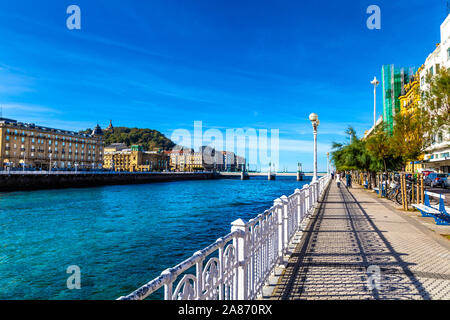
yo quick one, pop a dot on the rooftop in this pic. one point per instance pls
(24, 125)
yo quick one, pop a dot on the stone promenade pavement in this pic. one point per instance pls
(355, 236)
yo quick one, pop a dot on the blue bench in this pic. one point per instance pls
(383, 190)
(440, 214)
(366, 184)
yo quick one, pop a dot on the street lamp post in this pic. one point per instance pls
(375, 83)
(314, 118)
(24, 161)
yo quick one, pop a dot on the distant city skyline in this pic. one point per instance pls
(165, 64)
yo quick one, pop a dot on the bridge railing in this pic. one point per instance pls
(237, 266)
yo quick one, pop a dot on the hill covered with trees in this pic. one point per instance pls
(148, 138)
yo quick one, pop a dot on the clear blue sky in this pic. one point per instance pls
(230, 64)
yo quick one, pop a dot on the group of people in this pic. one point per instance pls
(340, 176)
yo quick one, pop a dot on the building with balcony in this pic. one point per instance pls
(410, 99)
(29, 146)
(437, 156)
(409, 102)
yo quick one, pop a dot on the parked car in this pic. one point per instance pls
(437, 179)
(447, 182)
(427, 172)
(428, 178)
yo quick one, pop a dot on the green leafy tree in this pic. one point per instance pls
(148, 138)
(436, 98)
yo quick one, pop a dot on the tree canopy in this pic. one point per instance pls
(148, 138)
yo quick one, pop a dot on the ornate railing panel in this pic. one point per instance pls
(237, 266)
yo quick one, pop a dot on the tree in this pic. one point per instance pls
(411, 135)
(148, 138)
(436, 98)
(379, 145)
(353, 155)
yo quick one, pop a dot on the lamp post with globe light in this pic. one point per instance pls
(314, 118)
(375, 83)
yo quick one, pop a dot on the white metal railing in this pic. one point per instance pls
(239, 264)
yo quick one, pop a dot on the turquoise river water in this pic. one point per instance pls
(120, 236)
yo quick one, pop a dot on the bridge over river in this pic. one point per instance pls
(264, 174)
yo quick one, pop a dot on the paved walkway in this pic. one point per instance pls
(353, 231)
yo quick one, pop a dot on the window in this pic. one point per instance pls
(448, 53)
(432, 71)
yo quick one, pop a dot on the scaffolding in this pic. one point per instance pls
(394, 81)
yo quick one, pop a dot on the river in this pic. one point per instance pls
(119, 236)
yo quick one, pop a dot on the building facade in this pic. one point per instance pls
(206, 159)
(437, 156)
(409, 102)
(410, 99)
(29, 146)
(135, 159)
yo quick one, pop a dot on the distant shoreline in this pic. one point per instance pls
(60, 180)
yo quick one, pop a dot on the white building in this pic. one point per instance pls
(438, 155)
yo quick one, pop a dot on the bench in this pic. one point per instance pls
(440, 214)
(383, 190)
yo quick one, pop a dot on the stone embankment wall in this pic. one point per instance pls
(17, 182)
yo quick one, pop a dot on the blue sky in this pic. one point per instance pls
(230, 64)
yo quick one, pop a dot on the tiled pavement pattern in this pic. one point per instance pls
(347, 236)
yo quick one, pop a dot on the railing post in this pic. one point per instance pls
(317, 192)
(278, 203)
(199, 275)
(240, 245)
(310, 197)
(304, 204)
(298, 196)
(168, 285)
(285, 222)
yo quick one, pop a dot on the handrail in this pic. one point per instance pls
(239, 264)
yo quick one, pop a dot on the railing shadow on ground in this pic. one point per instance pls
(370, 248)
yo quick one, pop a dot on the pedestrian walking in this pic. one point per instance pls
(348, 178)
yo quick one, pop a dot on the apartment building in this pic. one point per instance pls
(30, 146)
